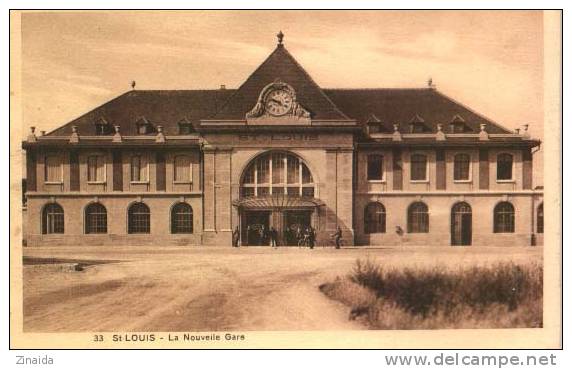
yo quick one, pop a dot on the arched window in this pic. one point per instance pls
(95, 219)
(418, 218)
(374, 216)
(504, 218)
(418, 167)
(277, 173)
(139, 218)
(182, 169)
(504, 167)
(540, 219)
(182, 218)
(461, 167)
(52, 219)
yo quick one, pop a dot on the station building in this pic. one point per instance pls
(406, 166)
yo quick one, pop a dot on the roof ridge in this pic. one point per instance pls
(376, 88)
(186, 90)
(473, 111)
(338, 110)
(281, 48)
(87, 113)
(223, 106)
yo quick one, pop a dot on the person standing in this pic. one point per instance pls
(263, 235)
(311, 236)
(248, 235)
(338, 237)
(299, 236)
(307, 237)
(273, 235)
(235, 237)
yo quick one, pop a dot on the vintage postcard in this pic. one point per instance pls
(285, 179)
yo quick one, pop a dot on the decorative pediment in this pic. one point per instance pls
(277, 104)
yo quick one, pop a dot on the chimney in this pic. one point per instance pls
(32, 135)
(525, 131)
(223, 87)
(42, 133)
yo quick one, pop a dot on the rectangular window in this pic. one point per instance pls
(308, 191)
(263, 169)
(182, 170)
(53, 169)
(504, 167)
(185, 128)
(138, 169)
(293, 170)
(293, 191)
(418, 167)
(247, 191)
(95, 168)
(374, 167)
(461, 167)
(278, 168)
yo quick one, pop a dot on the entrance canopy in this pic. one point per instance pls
(278, 201)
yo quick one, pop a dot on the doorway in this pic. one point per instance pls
(294, 220)
(255, 228)
(461, 224)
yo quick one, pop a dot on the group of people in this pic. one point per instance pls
(303, 236)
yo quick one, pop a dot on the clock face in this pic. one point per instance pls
(278, 102)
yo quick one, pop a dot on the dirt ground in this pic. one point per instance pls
(211, 288)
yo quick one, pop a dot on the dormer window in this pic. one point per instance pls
(373, 124)
(185, 127)
(375, 128)
(457, 124)
(144, 126)
(102, 127)
(417, 124)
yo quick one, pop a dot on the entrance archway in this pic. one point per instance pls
(277, 190)
(461, 224)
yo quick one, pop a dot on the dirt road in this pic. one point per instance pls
(209, 289)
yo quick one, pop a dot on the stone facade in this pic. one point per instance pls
(221, 133)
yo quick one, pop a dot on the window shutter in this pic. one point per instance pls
(31, 170)
(160, 172)
(483, 169)
(117, 171)
(526, 169)
(74, 171)
(397, 170)
(441, 170)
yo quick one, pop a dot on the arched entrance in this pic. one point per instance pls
(277, 190)
(461, 224)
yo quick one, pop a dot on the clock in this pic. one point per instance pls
(278, 102)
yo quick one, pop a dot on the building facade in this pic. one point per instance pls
(187, 167)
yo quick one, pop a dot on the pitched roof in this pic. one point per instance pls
(158, 107)
(280, 65)
(389, 106)
(397, 105)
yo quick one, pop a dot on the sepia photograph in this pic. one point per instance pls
(205, 177)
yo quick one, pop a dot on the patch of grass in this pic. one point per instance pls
(501, 295)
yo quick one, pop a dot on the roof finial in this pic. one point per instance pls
(280, 36)
(133, 83)
(430, 83)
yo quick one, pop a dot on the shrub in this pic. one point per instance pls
(501, 295)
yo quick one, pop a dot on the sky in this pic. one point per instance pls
(491, 61)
